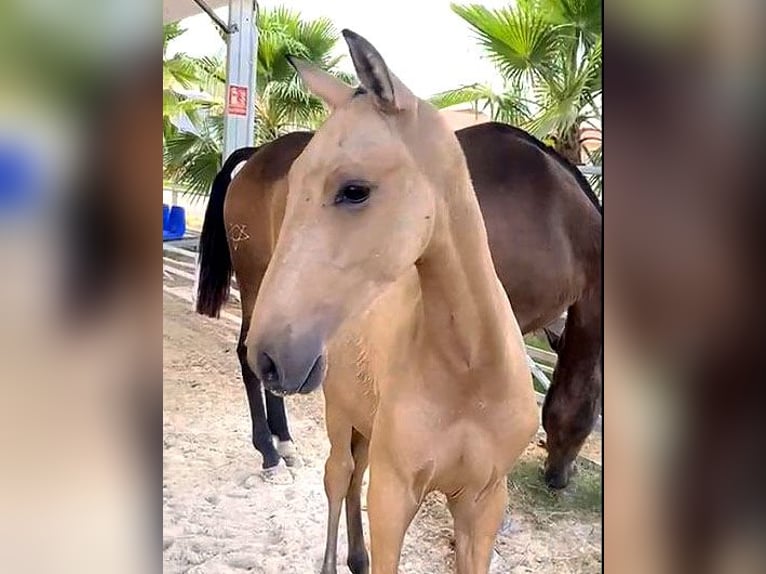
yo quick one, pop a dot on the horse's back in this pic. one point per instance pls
(544, 230)
(255, 182)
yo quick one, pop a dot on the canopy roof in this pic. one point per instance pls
(174, 10)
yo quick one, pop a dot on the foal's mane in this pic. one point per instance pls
(565, 163)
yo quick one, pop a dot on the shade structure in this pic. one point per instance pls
(174, 10)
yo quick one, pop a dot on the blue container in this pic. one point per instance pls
(19, 182)
(175, 225)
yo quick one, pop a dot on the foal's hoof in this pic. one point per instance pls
(277, 474)
(359, 562)
(289, 454)
(328, 567)
(497, 564)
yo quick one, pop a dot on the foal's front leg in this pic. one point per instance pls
(337, 479)
(391, 506)
(358, 559)
(477, 520)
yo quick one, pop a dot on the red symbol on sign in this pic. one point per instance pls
(237, 103)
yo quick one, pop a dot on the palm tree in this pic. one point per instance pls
(193, 157)
(281, 102)
(549, 54)
(178, 73)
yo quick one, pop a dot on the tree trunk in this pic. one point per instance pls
(568, 145)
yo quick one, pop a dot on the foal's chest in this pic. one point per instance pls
(465, 435)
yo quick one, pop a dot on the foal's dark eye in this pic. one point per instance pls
(354, 193)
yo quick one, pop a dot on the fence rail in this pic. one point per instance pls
(591, 169)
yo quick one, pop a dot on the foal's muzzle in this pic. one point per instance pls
(287, 364)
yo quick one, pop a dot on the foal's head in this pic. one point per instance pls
(360, 212)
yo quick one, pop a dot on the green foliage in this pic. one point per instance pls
(530, 495)
(549, 53)
(521, 44)
(508, 106)
(281, 104)
(194, 159)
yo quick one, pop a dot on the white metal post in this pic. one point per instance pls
(242, 46)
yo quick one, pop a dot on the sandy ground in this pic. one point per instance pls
(220, 515)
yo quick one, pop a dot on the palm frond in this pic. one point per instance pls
(549, 53)
(193, 159)
(472, 94)
(592, 68)
(511, 107)
(192, 155)
(180, 70)
(584, 16)
(319, 36)
(170, 32)
(345, 77)
(520, 44)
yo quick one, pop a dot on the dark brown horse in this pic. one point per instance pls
(544, 225)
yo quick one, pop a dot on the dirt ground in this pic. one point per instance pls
(221, 515)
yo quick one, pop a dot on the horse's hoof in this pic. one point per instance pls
(277, 474)
(293, 461)
(289, 454)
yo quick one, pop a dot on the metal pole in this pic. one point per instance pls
(213, 16)
(242, 46)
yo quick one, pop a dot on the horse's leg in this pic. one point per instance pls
(358, 560)
(337, 479)
(261, 432)
(477, 522)
(277, 419)
(391, 506)
(271, 420)
(572, 403)
(554, 332)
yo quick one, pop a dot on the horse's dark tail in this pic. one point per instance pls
(214, 260)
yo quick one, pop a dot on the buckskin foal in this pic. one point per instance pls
(381, 285)
(544, 228)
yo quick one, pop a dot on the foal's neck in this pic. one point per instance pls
(467, 316)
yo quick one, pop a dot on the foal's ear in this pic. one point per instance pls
(330, 89)
(389, 91)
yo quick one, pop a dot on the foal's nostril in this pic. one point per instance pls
(288, 365)
(267, 369)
